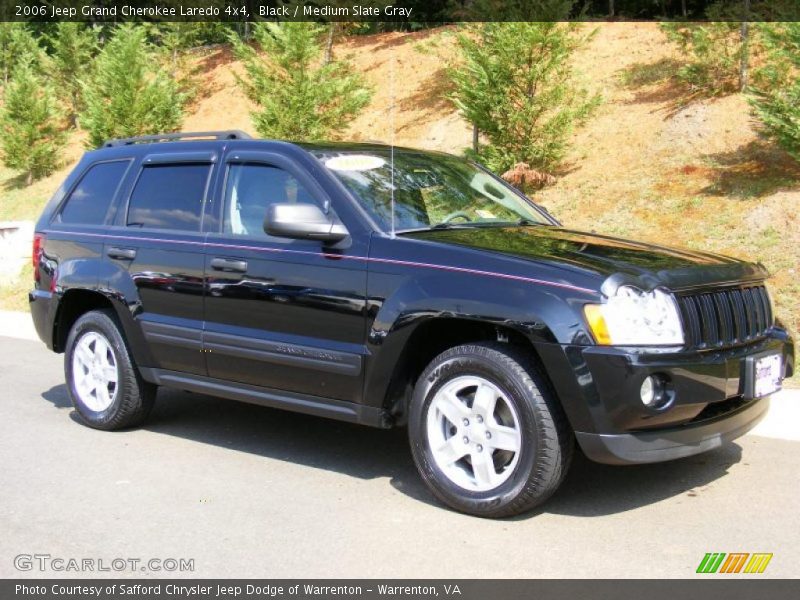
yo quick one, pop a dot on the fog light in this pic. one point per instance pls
(649, 391)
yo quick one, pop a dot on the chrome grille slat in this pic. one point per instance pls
(727, 317)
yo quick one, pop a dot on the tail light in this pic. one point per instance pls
(38, 248)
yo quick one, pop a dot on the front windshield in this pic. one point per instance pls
(430, 190)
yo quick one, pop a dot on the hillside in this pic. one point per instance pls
(644, 166)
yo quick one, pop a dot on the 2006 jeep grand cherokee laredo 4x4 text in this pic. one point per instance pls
(395, 287)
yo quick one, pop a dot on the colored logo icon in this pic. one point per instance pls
(734, 562)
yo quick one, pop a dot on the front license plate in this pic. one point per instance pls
(768, 374)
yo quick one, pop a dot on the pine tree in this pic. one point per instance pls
(516, 85)
(299, 97)
(715, 55)
(16, 42)
(174, 39)
(31, 129)
(129, 94)
(73, 48)
(776, 97)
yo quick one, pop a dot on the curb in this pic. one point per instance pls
(17, 324)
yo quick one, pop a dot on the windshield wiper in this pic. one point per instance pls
(523, 222)
(451, 225)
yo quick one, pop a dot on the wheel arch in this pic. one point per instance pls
(432, 337)
(76, 302)
(426, 314)
(73, 305)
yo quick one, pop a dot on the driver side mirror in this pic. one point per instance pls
(302, 222)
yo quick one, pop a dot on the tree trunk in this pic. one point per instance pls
(475, 138)
(329, 44)
(610, 8)
(29, 178)
(744, 65)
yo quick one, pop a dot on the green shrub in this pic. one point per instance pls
(516, 84)
(776, 95)
(299, 97)
(713, 54)
(73, 48)
(129, 93)
(31, 131)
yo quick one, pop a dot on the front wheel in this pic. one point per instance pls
(486, 433)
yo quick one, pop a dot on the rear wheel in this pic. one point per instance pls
(104, 385)
(486, 433)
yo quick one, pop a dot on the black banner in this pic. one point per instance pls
(396, 11)
(369, 589)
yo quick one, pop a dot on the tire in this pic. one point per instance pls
(466, 456)
(96, 352)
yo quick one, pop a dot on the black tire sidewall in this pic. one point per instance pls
(436, 376)
(101, 323)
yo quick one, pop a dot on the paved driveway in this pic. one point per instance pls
(252, 492)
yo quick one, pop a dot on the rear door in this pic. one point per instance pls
(281, 313)
(158, 241)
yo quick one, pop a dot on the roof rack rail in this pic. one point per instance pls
(233, 134)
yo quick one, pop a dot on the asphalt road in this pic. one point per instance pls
(252, 492)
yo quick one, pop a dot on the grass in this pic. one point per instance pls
(649, 73)
(752, 171)
(14, 294)
(22, 203)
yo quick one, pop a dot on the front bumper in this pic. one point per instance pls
(599, 390)
(668, 444)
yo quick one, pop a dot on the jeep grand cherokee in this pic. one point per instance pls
(395, 287)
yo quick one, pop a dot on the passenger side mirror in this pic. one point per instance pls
(302, 222)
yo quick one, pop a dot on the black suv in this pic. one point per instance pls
(389, 286)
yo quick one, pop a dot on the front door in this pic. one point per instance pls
(280, 313)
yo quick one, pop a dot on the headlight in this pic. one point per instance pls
(636, 318)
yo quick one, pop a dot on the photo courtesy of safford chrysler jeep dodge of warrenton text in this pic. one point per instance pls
(395, 287)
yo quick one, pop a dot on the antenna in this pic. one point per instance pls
(391, 136)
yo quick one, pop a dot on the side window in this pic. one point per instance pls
(89, 201)
(169, 197)
(250, 189)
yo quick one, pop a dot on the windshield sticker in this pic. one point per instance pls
(354, 162)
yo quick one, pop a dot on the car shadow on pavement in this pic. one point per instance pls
(593, 490)
(589, 490)
(58, 396)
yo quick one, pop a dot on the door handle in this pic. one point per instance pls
(230, 265)
(121, 253)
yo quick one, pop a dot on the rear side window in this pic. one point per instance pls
(89, 201)
(169, 197)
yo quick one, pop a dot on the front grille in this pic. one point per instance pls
(725, 317)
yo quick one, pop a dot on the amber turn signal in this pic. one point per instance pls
(597, 324)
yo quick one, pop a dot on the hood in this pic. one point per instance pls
(615, 260)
